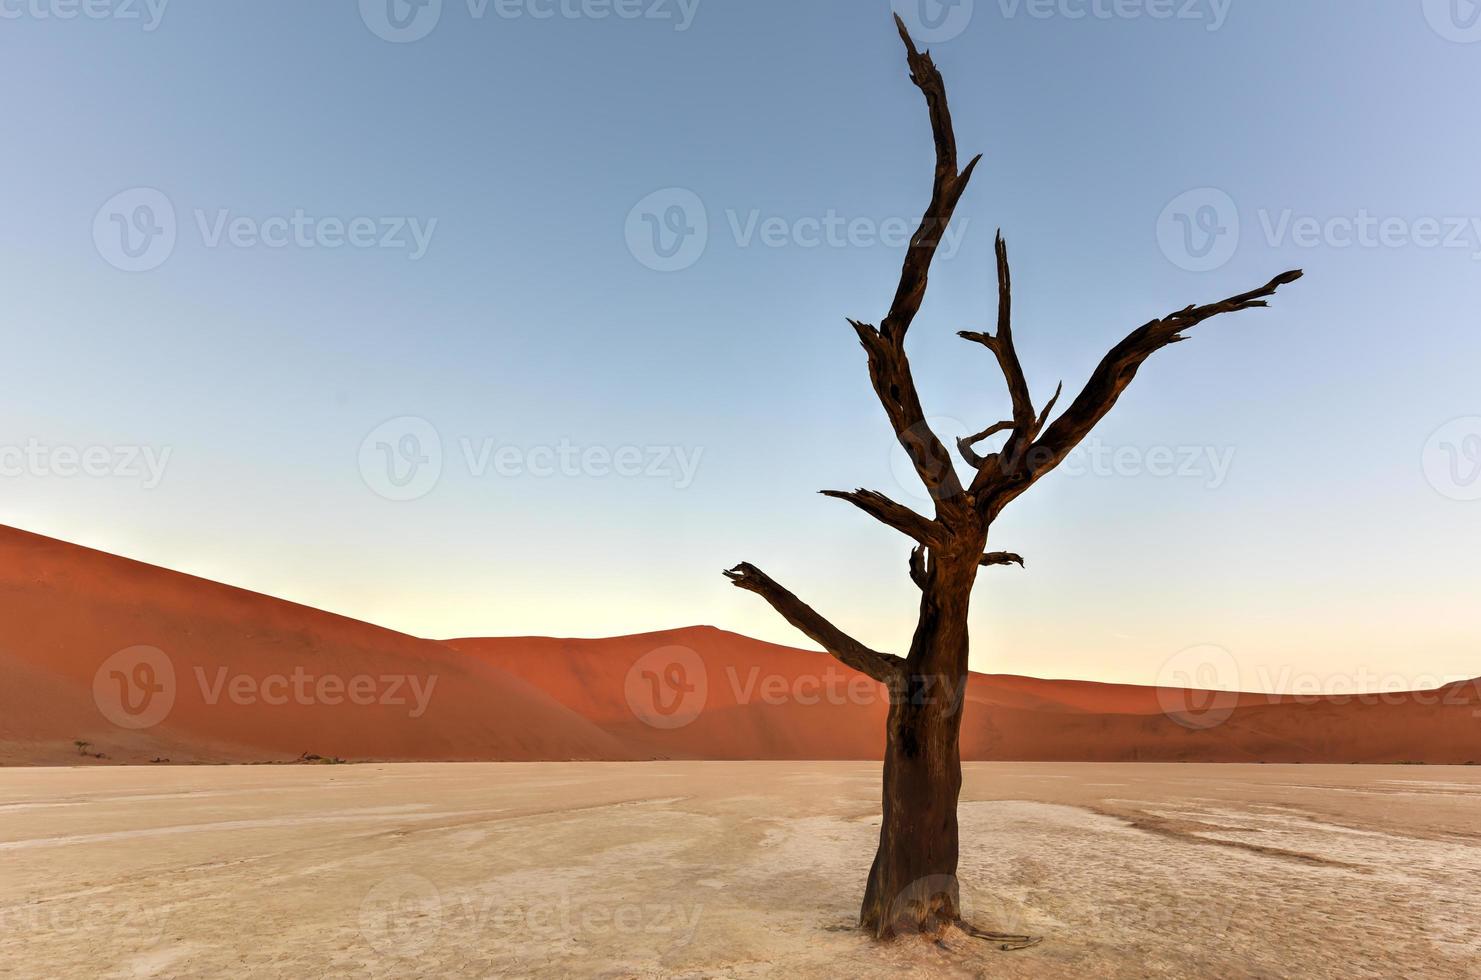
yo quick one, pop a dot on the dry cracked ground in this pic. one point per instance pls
(730, 870)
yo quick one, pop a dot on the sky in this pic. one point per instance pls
(527, 316)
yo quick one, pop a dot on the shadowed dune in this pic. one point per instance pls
(253, 679)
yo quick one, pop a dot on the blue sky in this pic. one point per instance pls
(264, 245)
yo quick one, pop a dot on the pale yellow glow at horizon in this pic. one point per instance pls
(1345, 644)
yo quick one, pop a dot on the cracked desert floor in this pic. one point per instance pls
(714, 869)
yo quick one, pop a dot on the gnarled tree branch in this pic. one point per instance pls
(883, 667)
(1110, 378)
(1023, 425)
(946, 191)
(889, 373)
(889, 369)
(964, 445)
(897, 516)
(1001, 558)
(1044, 415)
(1001, 343)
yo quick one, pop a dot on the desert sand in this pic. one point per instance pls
(737, 870)
(67, 611)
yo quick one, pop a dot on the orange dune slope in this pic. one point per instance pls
(94, 647)
(703, 693)
(141, 664)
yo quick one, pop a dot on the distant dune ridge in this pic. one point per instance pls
(143, 664)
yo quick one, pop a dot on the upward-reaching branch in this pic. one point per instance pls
(946, 190)
(1001, 344)
(889, 368)
(883, 667)
(1116, 370)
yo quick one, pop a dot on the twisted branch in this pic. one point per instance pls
(883, 667)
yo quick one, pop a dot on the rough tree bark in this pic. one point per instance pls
(913, 885)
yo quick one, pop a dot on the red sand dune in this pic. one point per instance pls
(90, 644)
(804, 713)
(64, 610)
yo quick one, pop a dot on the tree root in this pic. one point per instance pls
(1007, 942)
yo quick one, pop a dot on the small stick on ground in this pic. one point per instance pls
(1007, 942)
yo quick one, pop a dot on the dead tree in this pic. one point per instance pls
(913, 885)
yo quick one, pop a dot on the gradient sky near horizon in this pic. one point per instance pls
(1294, 485)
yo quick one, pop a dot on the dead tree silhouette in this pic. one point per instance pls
(913, 886)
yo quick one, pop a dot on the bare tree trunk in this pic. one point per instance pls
(913, 885)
